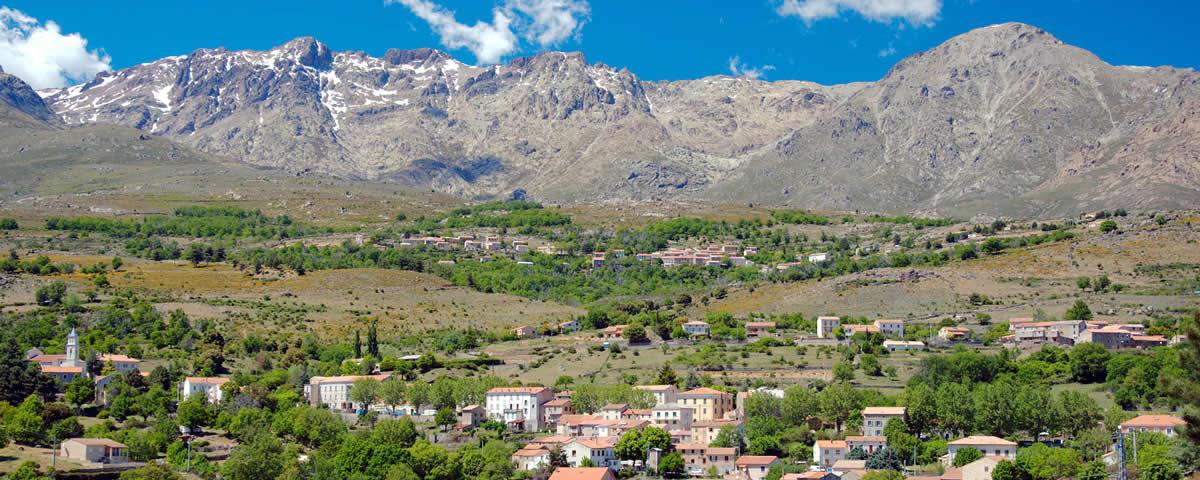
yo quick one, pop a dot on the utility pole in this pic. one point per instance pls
(1122, 474)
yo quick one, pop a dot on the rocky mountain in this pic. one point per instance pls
(20, 106)
(1005, 119)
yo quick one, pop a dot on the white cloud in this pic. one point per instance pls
(42, 56)
(887, 52)
(543, 23)
(739, 69)
(549, 22)
(915, 12)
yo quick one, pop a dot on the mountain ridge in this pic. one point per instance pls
(562, 129)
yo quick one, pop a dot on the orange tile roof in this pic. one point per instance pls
(831, 443)
(208, 380)
(596, 473)
(747, 460)
(883, 411)
(720, 451)
(97, 442)
(703, 391)
(1153, 421)
(63, 369)
(530, 390)
(982, 440)
(349, 378)
(531, 451)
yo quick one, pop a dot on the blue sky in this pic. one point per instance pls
(655, 39)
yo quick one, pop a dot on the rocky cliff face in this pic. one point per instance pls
(1005, 119)
(20, 106)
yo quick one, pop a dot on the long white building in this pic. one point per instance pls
(518, 407)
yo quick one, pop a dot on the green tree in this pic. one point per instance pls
(729, 437)
(1083, 283)
(261, 459)
(667, 376)
(558, 458)
(151, 471)
(391, 393)
(1161, 470)
(870, 365)
(64, 429)
(25, 425)
(1185, 388)
(1078, 412)
(51, 293)
(955, 407)
(194, 413)
(883, 475)
(1089, 362)
(838, 402)
(799, 403)
(364, 392)
(1035, 411)
(1046, 463)
(19, 377)
(671, 465)
(635, 333)
(843, 372)
(80, 391)
(966, 455)
(885, 459)
(1009, 470)
(373, 339)
(445, 418)
(921, 407)
(400, 431)
(994, 407)
(1078, 311)
(1108, 226)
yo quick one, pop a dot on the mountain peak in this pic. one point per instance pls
(1013, 33)
(308, 51)
(396, 56)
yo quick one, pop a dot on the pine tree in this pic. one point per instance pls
(373, 340)
(357, 345)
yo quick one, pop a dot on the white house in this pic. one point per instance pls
(518, 407)
(756, 466)
(902, 346)
(818, 257)
(671, 416)
(696, 328)
(531, 457)
(94, 450)
(868, 443)
(1164, 424)
(826, 452)
(598, 449)
(875, 418)
(663, 394)
(981, 469)
(334, 392)
(986, 444)
(891, 327)
(209, 387)
(827, 325)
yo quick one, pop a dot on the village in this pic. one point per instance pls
(696, 424)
